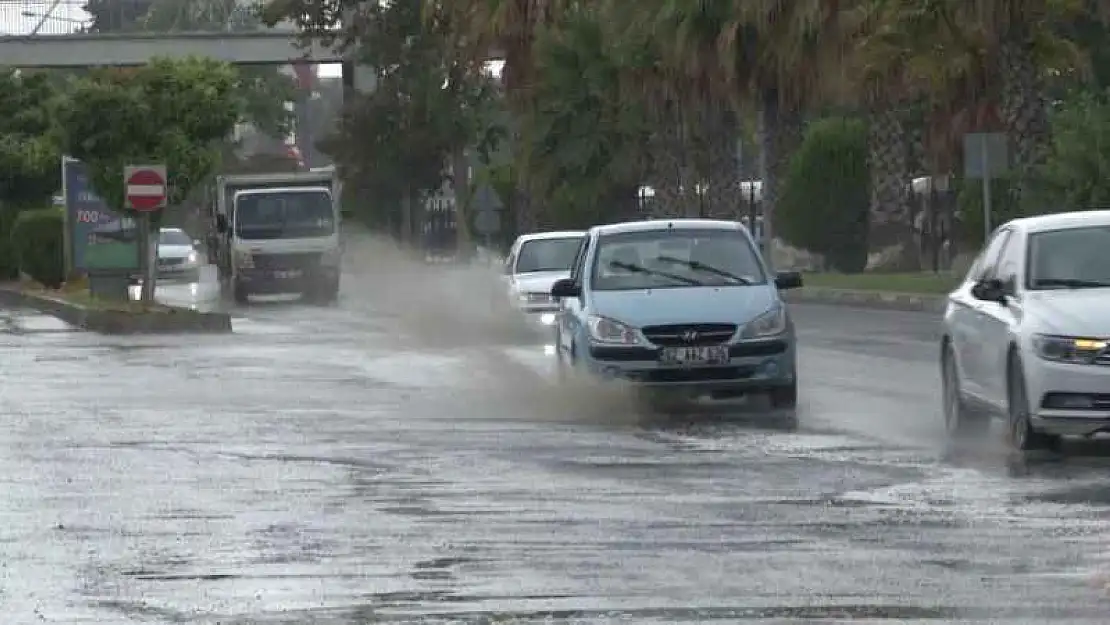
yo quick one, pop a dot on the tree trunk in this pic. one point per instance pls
(779, 133)
(1025, 113)
(722, 187)
(460, 186)
(669, 172)
(888, 164)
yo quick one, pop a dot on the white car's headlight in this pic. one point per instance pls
(1068, 348)
(192, 258)
(534, 298)
(605, 330)
(770, 323)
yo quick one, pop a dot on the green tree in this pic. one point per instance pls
(171, 112)
(1076, 173)
(824, 208)
(263, 89)
(585, 141)
(428, 105)
(29, 152)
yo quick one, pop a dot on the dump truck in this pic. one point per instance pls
(277, 233)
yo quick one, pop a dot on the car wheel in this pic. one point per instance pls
(1020, 433)
(959, 420)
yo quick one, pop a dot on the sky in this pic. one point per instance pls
(21, 17)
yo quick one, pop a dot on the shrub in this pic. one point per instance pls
(9, 265)
(824, 206)
(39, 240)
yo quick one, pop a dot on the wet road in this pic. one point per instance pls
(404, 457)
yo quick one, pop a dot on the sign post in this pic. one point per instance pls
(985, 157)
(145, 192)
(487, 213)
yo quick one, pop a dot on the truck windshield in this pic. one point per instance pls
(284, 215)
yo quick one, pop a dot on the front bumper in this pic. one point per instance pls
(1068, 399)
(752, 366)
(274, 281)
(184, 271)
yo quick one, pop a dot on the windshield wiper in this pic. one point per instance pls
(1071, 283)
(653, 272)
(700, 266)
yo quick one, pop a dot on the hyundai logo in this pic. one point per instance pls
(690, 336)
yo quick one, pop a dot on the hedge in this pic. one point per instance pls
(9, 265)
(38, 238)
(824, 206)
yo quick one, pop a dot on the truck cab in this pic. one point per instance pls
(279, 239)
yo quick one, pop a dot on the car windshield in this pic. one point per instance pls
(174, 237)
(547, 254)
(284, 215)
(675, 258)
(1073, 258)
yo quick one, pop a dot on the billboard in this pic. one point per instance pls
(88, 218)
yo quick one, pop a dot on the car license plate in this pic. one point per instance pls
(687, 356)
(285, 275)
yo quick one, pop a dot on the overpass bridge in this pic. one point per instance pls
(56, 34)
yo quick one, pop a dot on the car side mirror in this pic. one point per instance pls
(788, 280)
(221, 224)
(196, 242)
(990, 290)
(565, 288)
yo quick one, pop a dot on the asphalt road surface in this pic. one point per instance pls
(405, 457)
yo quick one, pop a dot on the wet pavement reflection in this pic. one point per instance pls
(405, 456)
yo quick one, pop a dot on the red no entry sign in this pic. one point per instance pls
(145, 187)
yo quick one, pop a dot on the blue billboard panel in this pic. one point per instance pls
(88, 218)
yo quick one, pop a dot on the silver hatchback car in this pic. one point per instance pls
(684, 307)
(1026, 336)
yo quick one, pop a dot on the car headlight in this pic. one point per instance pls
(605, 330)
(770, 323)
(534, 298)
(1068, 348)
(192, 258)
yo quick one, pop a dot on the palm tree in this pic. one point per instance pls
(477, 28)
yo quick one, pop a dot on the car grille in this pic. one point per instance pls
(303, 260)
(690, 334)
(171, 262)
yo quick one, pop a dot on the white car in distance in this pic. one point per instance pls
(535, 262)
(1026, 336)
(178, 257)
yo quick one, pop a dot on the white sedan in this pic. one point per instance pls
(535, 262)
(1026, 337)
(177, 255)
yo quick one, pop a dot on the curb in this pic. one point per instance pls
(174, 321)
(880, 300)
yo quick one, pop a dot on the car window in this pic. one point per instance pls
(674, 258)
(1009, 260)
(547, 254)
(1069, 258)
(173, 237)
(988, 260)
